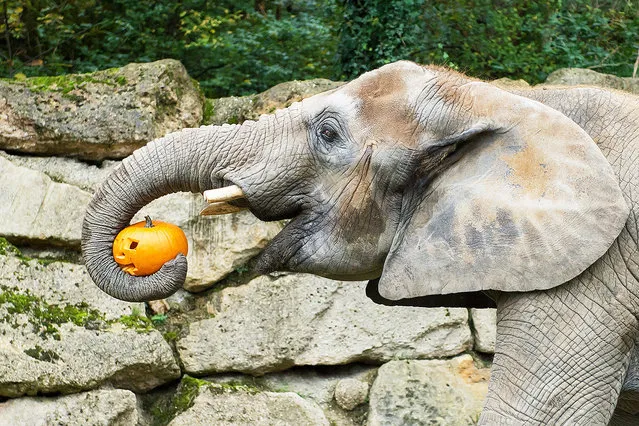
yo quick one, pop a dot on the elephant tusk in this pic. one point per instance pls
(228, 193)
(220, 208)
(218, 200)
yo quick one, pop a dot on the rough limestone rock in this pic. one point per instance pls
(66, 170)
(60, 333)
(577, 76)
(484, 329)
(34, 208)
(510, 84)
(106, 114)
(315, 384)
(273, 324)
(349, 393)
(218, 245)
(432, 392)
(235, 109)
(256, 409)
(115, 407)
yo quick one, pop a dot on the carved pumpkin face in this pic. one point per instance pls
(142, 248)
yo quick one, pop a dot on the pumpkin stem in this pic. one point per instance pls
(149, 222)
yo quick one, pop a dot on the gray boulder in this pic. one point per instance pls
(85, 176)
(428, 392)
(274, 324)
(236, 109)
(106, 114)
(510, 84)
(60, 333)
(114, 407)
(484, 329)
(349, 393)
(580, 76)
(328, 387)
(36, 209)
(214, 406)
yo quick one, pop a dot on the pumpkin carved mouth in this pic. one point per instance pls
(219, 200)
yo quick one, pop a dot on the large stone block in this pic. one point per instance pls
(236, 109)
(273, 324)
(114, 407)
(60, 333)
(580, 76)
(225, 407)
(85, 176)
(484, 329)
(340, 391)
(36, 209)
(428, 392)
(106, 114)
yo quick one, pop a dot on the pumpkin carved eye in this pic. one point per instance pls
(142, 248)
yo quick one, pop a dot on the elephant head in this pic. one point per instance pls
(416, 177)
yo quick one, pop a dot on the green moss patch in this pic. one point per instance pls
(136, 321)
(65, 84)
(46, 318)
(42, 354)
(43, 317)
(184, 398)
(8, 249)
(209, 109)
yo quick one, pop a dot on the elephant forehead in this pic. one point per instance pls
(337, 101)
(385, 107)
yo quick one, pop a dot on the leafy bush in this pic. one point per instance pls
(523, 39)
(239, 47)
(377, 32)
(233, 47)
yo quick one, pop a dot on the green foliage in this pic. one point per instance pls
(377, 32)
(258, 52)
(240, 47)
(159, 318)
(230, 47)
(523, 39)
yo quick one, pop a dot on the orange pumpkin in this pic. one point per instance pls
(142, 248)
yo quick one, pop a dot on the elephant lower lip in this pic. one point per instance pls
(214, 209)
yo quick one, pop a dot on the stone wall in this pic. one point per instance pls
(232, 348)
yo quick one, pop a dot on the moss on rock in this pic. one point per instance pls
(46, 318)
(164, 411)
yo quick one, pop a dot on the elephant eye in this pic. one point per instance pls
(328, 133)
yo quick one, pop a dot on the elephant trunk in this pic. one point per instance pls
(191, 160)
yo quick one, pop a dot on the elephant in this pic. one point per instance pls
(440, 190)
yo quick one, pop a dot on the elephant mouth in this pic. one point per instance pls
(232, 199)
(294, 247)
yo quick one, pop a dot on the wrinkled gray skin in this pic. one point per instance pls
(356, 167)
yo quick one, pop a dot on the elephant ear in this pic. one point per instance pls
(529, 203)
